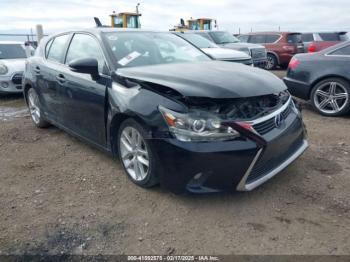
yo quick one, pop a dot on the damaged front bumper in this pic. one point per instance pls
(241, 164)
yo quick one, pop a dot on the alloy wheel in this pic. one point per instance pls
(33, 103)
(270, 64)
(134, 153)
(331, 97)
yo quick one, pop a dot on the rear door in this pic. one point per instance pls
(83, 111)
(46, 75)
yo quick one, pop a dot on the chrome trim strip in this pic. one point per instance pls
(242, 183)
(267, 117)
(242, 186)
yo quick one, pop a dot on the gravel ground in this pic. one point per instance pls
(61, 196)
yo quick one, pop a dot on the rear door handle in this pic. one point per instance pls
(60, 78)
(37, 70)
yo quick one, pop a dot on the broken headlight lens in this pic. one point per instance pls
(197, 126)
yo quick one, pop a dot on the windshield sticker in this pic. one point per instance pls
(129, 58)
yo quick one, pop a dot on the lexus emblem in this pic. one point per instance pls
(278, 120)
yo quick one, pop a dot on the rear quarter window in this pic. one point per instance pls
(57, 48)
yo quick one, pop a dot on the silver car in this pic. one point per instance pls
(226, 40)
(12, 63)
(215, 51)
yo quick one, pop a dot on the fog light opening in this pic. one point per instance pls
(4, 84)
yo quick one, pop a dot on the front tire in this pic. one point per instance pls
(137, 155)
(34, 109)
(271, 62)
(331, 97)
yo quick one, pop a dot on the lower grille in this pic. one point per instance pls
(17, 79)
(261, 169)
(268, 125)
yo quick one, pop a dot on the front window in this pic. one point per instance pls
(12, 51)
(132, 22)
(85, 46)
(133, 49)
(198, 41)
(223, 37)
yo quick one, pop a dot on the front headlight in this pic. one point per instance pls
(3, 69)
(197, 126)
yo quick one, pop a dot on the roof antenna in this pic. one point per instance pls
(97, 22)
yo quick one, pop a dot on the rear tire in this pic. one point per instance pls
(137, 154)
(35, 110)
(331, 97)
(272, 62)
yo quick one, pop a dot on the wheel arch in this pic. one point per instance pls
(114, 127)
(275, 55)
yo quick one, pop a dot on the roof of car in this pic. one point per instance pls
(272, 33)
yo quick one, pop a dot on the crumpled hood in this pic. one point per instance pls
(13, 65)
(212, 79)
(223, 53)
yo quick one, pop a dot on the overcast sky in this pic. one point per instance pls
(292, 15)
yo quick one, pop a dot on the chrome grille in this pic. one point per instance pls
(258, 53)
(268, 125)
(17, 79)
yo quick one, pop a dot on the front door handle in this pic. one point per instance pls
(60, 78)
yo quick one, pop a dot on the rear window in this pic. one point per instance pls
(330, 36)
(294, 38)
(57, 48)
(307, 37)
(342, 51)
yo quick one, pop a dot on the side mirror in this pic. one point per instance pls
(85, 66)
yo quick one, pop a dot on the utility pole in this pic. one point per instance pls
(137, 8)
(39, 32)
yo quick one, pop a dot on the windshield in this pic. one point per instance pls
(133, 49)
(12, 51)
(223, 38)
(198, 41)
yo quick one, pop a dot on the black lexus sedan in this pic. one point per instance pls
(323, 78)
(171, 114)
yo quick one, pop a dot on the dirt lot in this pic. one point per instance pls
(59, 195)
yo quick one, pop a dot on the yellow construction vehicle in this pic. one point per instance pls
(196, 24)
(125, 20)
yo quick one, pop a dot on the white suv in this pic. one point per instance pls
(12, 63)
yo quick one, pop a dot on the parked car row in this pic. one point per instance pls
(282, 46)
